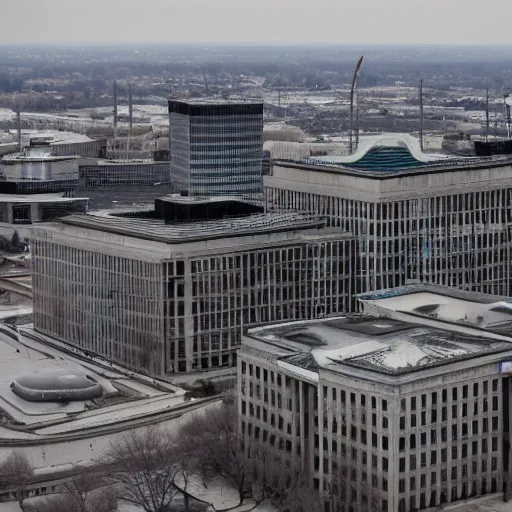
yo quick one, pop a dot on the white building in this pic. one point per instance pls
(167, 292)
(400, 409)
(416, 216)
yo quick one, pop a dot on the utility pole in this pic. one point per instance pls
(421, 114)
(507, 113)
(130, 107)
(18, 127)
(115, 111)
(487, 116)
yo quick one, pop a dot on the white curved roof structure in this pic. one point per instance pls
(387, 152)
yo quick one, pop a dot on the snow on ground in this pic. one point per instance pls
(491, 503)
(125, 506)
(222, 495)
(11, 506)
(6, 114)
(114, 414)
(8, 311)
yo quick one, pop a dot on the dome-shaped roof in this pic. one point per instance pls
(55, 385)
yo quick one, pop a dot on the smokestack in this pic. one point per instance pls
(421, 114)
(115, 109)
(130, 106)
(18, 126)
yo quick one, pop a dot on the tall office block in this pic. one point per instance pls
(419, 216)
(216, 147)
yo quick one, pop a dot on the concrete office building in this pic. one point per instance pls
(403, 408)
(216, 147)
(171, 290)
(416, 216)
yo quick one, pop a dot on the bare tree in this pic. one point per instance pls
(148, 464)
(89, 491)
(86, 491)
(97, 500)
(211, 439)
(298, 496)
(16, 473)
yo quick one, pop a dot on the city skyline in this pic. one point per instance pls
(113, 21)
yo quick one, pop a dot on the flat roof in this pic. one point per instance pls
(452, 165)
(178, 198)
(39, 198)
(383, 345)
(217, 101)
(181, 232)
(34, 155)
(22, 355)
(490, 313)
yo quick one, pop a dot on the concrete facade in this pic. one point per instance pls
(372, 439)
(167, 299)
(447, 223)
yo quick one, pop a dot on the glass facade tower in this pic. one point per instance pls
(216, 147)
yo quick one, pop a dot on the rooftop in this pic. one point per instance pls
(151, 224)
(490, 313)
(33, 155)
(57, 197)
(382, 345)
(31, 369)
(52, 137)
(218, 101)
(389, 156)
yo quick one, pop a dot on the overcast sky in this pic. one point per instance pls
(356, 21)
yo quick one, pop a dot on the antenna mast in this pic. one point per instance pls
(352, 90)
(421, 114)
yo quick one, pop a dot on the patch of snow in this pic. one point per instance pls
(10, 506)
(402, 355)
(324, 357)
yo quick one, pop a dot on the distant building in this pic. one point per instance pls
(416, 215)
(67, 144)
(403, 408)
(216, 147)
(36, 186)
(171, 290)
(127, 173)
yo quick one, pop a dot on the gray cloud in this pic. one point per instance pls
(373, 21)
